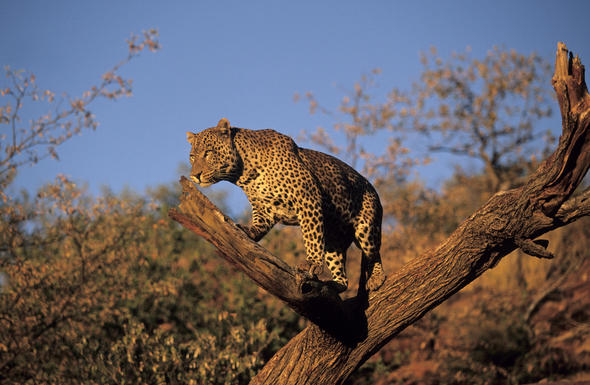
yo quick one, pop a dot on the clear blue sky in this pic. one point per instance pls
(244, 60)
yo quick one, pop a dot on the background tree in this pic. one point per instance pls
(487, 109)
(28, 142)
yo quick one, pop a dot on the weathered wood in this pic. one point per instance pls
(322, 354)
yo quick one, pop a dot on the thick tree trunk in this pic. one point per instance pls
(344, 334)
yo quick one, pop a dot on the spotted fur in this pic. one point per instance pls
(333, 204)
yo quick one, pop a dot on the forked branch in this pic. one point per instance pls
(508, 220)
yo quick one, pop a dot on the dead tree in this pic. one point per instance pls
(344, 334)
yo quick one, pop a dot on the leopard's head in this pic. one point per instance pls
(213, 155)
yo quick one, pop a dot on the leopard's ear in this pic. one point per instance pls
(190, 137)
(223, 126)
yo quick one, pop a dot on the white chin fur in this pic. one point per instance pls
(202, 184)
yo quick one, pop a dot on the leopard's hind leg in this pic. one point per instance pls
(368, 238)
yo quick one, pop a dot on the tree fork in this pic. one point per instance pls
(344, 334)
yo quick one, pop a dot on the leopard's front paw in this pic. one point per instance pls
(315, 270)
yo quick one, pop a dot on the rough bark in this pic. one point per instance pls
(325, 354)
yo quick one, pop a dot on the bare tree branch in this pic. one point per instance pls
(326, 354)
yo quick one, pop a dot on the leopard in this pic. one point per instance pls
(332, 203)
